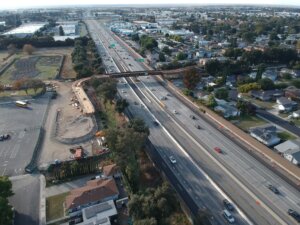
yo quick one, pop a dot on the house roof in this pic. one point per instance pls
(287, 145)
(95, 190)
(110, 170)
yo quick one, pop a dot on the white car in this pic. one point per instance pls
(123, 91)
(228, 216)
(172, 159)
(175, 112)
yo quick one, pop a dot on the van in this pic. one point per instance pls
(228, 216)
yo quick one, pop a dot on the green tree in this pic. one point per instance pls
(245, 88)
(245, 108)
(266, 84)
(138, 125)
(191, 78)
(260, 69)
(211, 102)
(61, 31)
(248, 37)
(161, 57)
(181, 56)
(6, 212)
(166, 50)
(108, 89)
(221, 93)
(121, 105)
(147, 221)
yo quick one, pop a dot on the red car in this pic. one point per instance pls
(218, 150)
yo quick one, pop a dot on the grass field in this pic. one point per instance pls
(54, 206)
(43, 67)
(246, 122)
(284, 135)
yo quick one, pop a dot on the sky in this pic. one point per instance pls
(14, 4)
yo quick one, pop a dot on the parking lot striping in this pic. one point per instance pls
(3, 173)
(15, 151)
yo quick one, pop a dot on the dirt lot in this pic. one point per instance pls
(51, 149)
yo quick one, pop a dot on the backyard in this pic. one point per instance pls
(54, 206)
(246, 122)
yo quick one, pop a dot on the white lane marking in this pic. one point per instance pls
(195, 164)
(233, 177)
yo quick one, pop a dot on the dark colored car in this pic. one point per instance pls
(228, 205)
(155, 123)
(273, 189)
(198, 126)
(193, 117)
(4, 137)
(294, 214)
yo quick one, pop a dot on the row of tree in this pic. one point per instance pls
(153, 206)
(39, 42)
(25, 84)
(6, 212)
(85, 58)
(125, 144)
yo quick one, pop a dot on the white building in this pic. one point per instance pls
(25, 30)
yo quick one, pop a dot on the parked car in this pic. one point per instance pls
(4, 137)
(228, 216)
(273, 189)
(228, 205)
(172, 159)
(175, 112)
(294, 214)
(218, 150)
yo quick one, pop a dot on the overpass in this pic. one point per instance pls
(164, 73)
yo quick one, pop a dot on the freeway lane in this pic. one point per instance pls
(247, 168)
(204, 193)
(216, 173)
(135, 67)
(189, 177)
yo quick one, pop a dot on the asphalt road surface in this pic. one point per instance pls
(236, 172)
(26, 199)
(24, 126)
(278, 121)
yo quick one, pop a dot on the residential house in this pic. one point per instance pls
(231, 81)
(293, 73)
(293, 156)
(292, 93)
(270, 74)
(296, 114)
(111, 171)
(104, 213)
(266, 135)
(290, 150)
(266, 95)
(233, 95)
(95, 192)
(286, 105)
(226, 108)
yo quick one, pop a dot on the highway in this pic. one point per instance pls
(236, 172)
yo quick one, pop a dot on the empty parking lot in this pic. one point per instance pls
(24, 126)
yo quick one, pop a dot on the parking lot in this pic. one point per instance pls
(23, 125)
